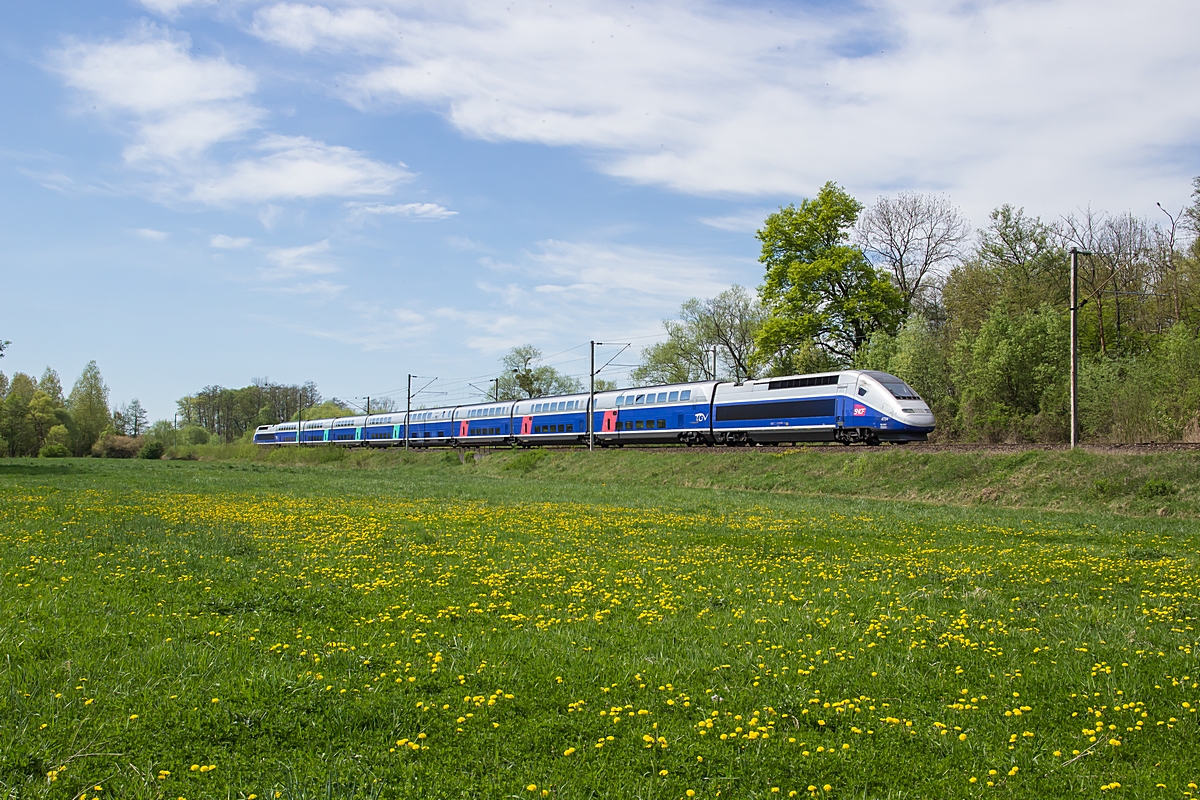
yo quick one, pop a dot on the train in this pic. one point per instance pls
(849, 407)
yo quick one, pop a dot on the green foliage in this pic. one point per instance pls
(88, 405)
(54, 451)
(526, 461)
(1156, 488)
(1013, 375)
(194, 434)
(330, 409)
(819, 288)
(152, 450)
(231, 413)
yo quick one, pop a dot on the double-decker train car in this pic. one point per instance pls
(848, 406)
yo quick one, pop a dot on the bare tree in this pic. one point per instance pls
(916, 236)
(725, 324)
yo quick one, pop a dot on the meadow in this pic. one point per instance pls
(222, 630)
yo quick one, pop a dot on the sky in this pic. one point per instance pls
(203, 192)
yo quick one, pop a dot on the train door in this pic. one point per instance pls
(609, 424)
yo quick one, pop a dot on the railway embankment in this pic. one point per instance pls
(1133, 481)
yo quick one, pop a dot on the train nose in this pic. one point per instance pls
(918, 415)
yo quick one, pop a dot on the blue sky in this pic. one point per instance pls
(205, 192)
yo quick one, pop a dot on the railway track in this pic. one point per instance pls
(1140, 448)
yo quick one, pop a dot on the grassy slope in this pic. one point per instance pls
(1165, 484)
(777, 603)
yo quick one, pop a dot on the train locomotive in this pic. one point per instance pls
(850, 406)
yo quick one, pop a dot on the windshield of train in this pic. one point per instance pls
(899, 389)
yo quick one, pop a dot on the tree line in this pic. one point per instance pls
(977, 322)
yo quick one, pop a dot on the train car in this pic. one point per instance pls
(484, 424)
(432, 427)
(847, 406)
(382, 430)
(551, 420)
(656, 414)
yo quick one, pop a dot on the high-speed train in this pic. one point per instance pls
(848, 406)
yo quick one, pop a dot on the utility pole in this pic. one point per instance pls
(407, 411)
(1075, 254)
(591, 407)
(714, 373)
(368, 405)
(496, 381)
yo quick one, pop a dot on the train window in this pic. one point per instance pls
(570, 427)
(662, 397)
(686, 394)
(640, 425)
(620, 401)
(672, 397)
(628, 425)
(641, 398)
(562, 428)
(862, 391)
(662, 423)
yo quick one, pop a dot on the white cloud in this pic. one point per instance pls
(223, 242)
(181, 106)
(306, 259)
(747, 221)
(417, 210)
(1052, 102)
(151, 234)
(171, 8)
(576, 290)
(296, 167)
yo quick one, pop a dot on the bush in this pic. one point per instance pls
(152, 450)
(1155, 488)
(116, 446)
(194, 434)
(54, 451)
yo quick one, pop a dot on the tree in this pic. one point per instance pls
(88, 404)
(523, 377)
(913, 235)
(1012, 375)
(3, 346)
(726, 324)
(138, 419)
(51, 385)
(820, 290)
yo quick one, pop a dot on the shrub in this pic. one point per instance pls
(116, 446)
(1156, 488)
(54, 451)
(194, 434)
(152, 450)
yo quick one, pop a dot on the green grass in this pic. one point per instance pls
(1162, 484)
(306, 628)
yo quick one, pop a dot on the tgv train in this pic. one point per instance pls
(847, 407)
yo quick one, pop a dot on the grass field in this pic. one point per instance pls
(223, 630)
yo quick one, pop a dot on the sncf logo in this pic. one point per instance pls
(860, 410)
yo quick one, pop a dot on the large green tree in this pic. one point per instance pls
(820, 290)
(88, 405)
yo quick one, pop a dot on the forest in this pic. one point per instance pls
(976, 321)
